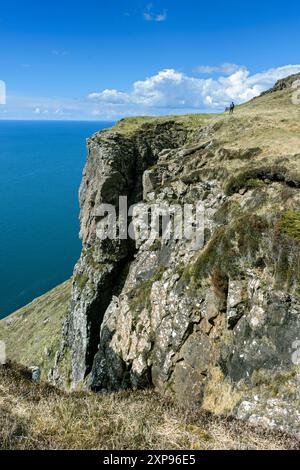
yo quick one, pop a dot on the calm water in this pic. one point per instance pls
(40, 171)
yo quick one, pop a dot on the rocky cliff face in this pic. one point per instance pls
(218, 327)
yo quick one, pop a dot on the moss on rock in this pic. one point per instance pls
(289, 224)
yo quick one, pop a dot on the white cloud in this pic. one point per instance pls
(150, 15)
(226, 68)
(59, 108)
(110, 96)
(58, 52)
(171, 89)
(2, 92)
(96, 112)
(39, 110)
(161, 17)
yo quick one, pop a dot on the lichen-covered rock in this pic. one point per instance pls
(216, 327)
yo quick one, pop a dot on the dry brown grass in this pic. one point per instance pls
(41, 417)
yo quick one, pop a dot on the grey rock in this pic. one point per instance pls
(35, 373)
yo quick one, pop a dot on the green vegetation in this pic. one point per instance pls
(81, 279)
(156, 245)
(221, 255)
(227, 211)
(33, 333)
(271, 384)
(286, 236)
(280, 381)
(140, 296)
(130, 125)
(253, 177)
(290, 224)
(65, 368)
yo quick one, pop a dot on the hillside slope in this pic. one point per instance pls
(32, 334)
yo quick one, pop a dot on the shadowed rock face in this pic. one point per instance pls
(216, 327)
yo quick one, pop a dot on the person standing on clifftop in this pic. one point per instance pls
(231, 109)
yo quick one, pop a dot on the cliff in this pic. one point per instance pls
(218, 327)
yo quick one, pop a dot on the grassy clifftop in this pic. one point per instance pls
(131, 125)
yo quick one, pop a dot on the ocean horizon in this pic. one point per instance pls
(41, 167)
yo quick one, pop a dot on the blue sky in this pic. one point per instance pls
(109, 59)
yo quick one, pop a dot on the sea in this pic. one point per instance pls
(41, 165)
